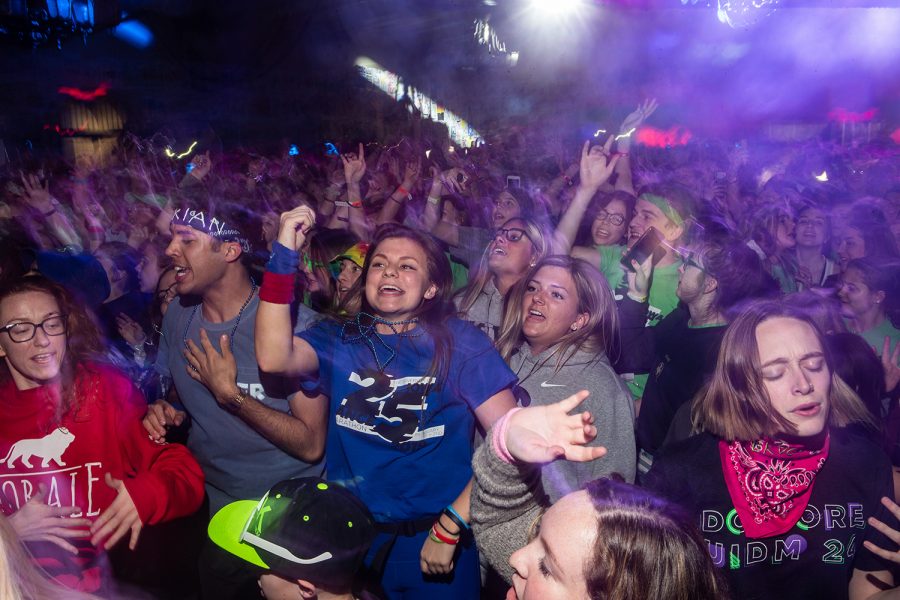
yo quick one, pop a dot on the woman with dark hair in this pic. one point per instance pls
(83, 420)
(778, 484)
(517, 245)
(813, 234)
(408, 382)
(870, 301)
(771, 233)
(865, 237)
(559, 328)
(609, 217)
(607, 540)
(680, 352)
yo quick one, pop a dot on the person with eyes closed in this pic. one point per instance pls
(517, 245)
(776, 481)
(408, 383)
(606, 540)
(559, 327)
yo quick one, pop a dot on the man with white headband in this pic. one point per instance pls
(242, 429)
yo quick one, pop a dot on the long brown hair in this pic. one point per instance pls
(646, 548)
(83, 340)
(736, 406)
(432, 314)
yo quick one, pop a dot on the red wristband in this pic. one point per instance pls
(277, 288)
(446, 539)
(402, 191)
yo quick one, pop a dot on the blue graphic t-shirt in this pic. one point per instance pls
(400, 438)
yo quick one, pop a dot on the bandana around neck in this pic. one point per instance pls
(770, 482)
(206, 222)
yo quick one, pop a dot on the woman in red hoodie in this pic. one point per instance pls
(77, 471)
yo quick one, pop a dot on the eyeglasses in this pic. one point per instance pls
(611, 218)
(688, 260)
(168, 294)
(24, 331)
(512, 234)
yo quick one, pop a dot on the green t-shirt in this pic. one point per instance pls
(662, 301)
(875, 336)
(611, 267)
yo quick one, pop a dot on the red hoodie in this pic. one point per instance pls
(102, 435)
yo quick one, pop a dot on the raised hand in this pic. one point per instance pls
(596, 167)
(639, 278)
(889, 362)
(37, 522)
(37, 194)
(118, 519)
(294, 225)
(411, 174)
(540, 434)
(130, 330)
(636, 118)
(202, 165)
(354, 166)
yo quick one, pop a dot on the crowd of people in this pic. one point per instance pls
(410, 370)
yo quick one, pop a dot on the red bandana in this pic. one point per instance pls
(770, 482)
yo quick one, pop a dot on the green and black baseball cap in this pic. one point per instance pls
(305, 528)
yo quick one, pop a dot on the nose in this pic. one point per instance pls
(518, 561)
(170, 249)
(41, 339)
(802, 383)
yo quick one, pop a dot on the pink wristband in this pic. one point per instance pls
(499, 437)
(277, 288)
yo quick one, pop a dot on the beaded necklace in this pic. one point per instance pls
(236, 323)
(365, 332)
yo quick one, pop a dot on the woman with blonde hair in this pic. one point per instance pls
(779, 485)
(517, 245)
(559, 328)
(20, 579)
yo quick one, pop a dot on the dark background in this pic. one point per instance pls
(261, 73)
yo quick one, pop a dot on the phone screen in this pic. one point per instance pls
(649, 244)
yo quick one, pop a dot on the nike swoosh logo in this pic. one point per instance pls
(544, 384)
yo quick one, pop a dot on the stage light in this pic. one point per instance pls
(823, 177)
(551, 8)
(461, 132)
(135, 33)
(293, 150)
(82, 95)
(745, 13)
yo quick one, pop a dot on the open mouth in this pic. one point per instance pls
(181, 274)
(808, 410)
(390, 290)
(43, 359)
(499, 251)
(535, 315)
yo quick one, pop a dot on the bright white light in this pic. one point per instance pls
(823, 177)
(557, 7)
(393, 85)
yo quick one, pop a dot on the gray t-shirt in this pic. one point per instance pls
(238, 462)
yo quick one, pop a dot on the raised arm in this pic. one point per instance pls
(629, 126)
(595, 169)
(278, 350)
(390, 209)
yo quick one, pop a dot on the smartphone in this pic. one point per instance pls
(649, 244)
(513, 181)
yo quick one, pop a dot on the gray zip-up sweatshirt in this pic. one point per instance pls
(610, 402)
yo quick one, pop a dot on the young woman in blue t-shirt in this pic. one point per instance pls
(407, 383)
